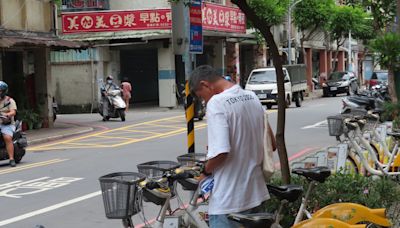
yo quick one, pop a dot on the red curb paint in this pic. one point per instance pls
(297, 155)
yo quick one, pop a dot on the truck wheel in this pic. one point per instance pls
(269, 106)
(297, 100)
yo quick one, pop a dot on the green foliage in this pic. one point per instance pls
(392, 112)
(272, 12)
(31, 118)
(345, 19)
(387, 50)
(309, 14)
(338, 188)
(382, 12)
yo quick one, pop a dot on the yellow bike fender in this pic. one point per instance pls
(352, 213)
(326, 223)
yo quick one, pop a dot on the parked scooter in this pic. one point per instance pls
(19, 141)
(116, 107)
(368, 100)
(55, 109)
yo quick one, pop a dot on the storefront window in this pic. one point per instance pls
(84, 5)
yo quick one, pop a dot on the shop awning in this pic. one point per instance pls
(10, 38)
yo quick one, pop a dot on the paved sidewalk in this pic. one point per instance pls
(59, 131)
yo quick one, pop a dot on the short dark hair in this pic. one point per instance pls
(203, 73)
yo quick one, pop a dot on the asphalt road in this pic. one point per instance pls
(56, 184)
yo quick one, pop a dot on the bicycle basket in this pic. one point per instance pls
(156, 169)
(121, 195)
(191, 159)
(335, 125)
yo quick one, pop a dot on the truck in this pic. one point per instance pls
(262, 82)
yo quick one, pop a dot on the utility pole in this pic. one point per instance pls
(289, 35)
(349, 67)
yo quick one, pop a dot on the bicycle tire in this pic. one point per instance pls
(351, 166)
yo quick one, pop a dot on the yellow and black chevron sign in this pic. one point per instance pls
(189, 118)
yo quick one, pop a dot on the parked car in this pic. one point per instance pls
(378, 78)
(263, 83)
(340, 82)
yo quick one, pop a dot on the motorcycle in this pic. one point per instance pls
(19, 141)
(367, 100)
(116, 107)
(55, 109)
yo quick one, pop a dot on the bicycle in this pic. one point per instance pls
(352, 156)
(347, 213)
(123, 193)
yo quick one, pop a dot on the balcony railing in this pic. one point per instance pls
(84, 5)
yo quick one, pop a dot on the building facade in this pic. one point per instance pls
(133, 39)
(26, 38)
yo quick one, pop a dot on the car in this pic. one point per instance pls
(378, 78)
(340, 82)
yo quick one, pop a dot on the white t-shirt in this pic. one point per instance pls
(235, 120)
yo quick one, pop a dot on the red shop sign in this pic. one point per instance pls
(215, 17)
(223, 18)
(104, 21)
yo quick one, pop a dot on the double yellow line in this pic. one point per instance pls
(30, 166)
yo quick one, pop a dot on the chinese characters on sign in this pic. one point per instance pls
(222, 18)
(18, 189)
(214, 17)
(116, 20)
(196, 27)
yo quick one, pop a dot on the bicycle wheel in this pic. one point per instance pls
(351, 166)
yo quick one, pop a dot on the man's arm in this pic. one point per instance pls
(11, 113)
(215, 162)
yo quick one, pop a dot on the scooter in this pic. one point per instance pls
(367, 100)
(20, 143)
(116, 107)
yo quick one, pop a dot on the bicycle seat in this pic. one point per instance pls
(317, 174)
(395, 135)
(288, 192)
(256, 220)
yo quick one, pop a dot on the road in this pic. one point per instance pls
(56, 184)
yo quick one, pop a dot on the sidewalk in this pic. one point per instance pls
(59, 131)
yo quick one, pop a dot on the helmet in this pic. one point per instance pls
(228, 78)
(3, 89)
(110, 77)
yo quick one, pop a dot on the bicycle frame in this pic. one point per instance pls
(383, 168)
(190, 216)
(304, 201)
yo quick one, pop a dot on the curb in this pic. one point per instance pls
(57, 137)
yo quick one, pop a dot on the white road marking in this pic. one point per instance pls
(48, 209)
(317, 125)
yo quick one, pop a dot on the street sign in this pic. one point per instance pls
(196, 27)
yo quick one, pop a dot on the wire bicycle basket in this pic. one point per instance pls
(191, 159)
(335, 125)
(122, 197)
(155, 170)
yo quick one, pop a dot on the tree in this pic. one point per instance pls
(382, 12)
(387, 51)
(310, 16)
(263, 14)
(346, 19)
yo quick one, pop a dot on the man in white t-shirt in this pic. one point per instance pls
(235, 120)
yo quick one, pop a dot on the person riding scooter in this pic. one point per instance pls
(8, 109)
(112, 105)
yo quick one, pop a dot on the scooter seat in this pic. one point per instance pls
(317, 174)
(364, 101)
(257, 220)
(288, 192)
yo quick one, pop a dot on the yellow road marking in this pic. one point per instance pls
(103, 132)
(147, 132)
(86, 144)
(30, 166)
(166, 126)
(196, 128)
(112, 137)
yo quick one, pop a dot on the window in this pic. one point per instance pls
(83, 5)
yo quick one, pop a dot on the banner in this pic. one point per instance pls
(196, 27)
(214, 17)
